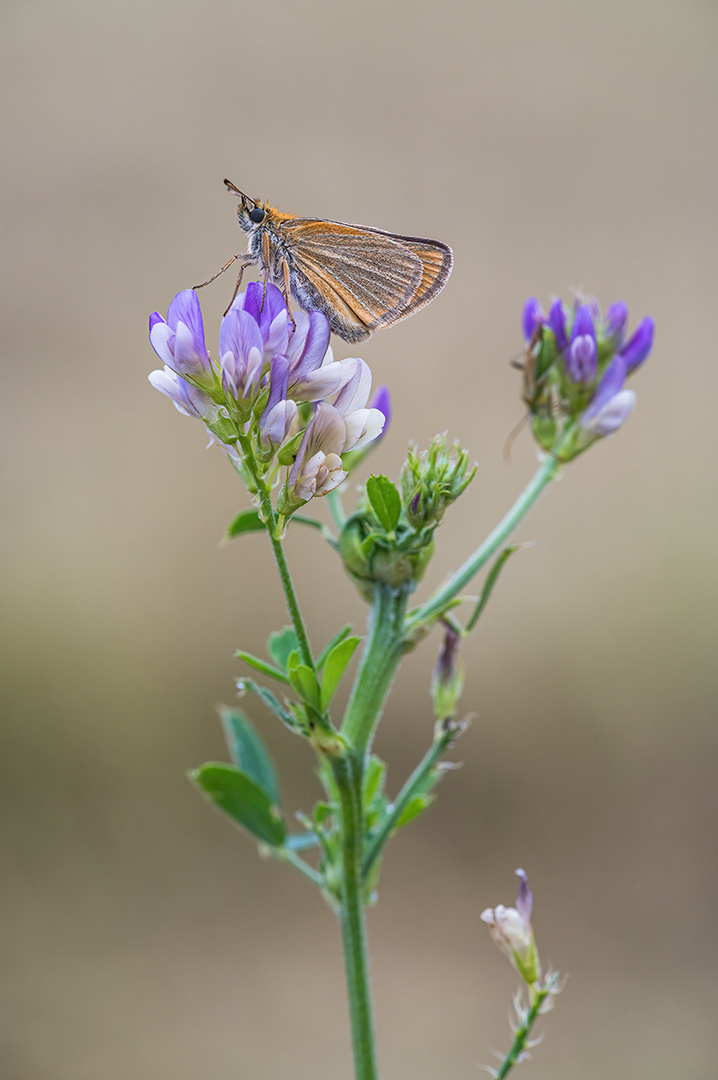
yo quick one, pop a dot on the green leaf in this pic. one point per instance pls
(261, 666)
(300, 519)
(242, 799)
(491, 579)
(270, 700)
(248, 751)
(335, 666)
(306, 685)
(322, 811)
(281, 645)
(385, 501)
(246, 521)
(413, 808)
(335, 641)
(374, 779)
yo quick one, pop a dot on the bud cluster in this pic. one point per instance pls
(390, 539)
(275, 393)
(575, 371)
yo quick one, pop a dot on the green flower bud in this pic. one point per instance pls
(371, 557)
(432, 481)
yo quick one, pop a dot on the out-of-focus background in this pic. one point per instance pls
(553, 145)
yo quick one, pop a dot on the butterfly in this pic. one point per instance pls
(361, 278)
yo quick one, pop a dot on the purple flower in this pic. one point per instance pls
(187, 399)
(308, 344)
(532, 317)
(179, 340)
(611, 404)
(614, 325)
(317, 468)
(241, 354)
(269, 311)
(382, 402)
(582, 356)
(557, 323)
(276, 420)
(639, 345)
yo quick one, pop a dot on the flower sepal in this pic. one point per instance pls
(372, 557)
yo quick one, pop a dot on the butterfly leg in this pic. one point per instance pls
(245, 263)
(215, 276)
(288, 291)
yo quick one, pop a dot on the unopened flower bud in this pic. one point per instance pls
(448, 678)
(639, 345)
(512, 931)
(531, 317)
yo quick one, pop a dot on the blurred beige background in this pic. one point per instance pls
(552, 145)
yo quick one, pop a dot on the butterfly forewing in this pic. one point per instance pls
(372, 272)
(437, 261)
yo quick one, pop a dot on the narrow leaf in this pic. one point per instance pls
(374, 779)
(248, 751)
(281, 644)
(261, 665)
(246, 521)
(413, 808)
(300, 519)
(270, 700)
(491, 579)
(334, 667)
(242, 799)
(385, 501)
(335, 641)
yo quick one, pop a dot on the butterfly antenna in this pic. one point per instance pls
(235, 190)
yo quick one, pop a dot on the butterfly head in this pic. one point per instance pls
(251, 213)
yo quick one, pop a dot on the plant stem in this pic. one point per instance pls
(270, 519)
(381, 657)
(443, 596)
(405, 796)
(286, 855)
(348, 775)
(537, 996)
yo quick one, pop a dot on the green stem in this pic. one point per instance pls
(381, 657)
(417, 778)
(336, 508)
(286, 855)
(348, 776)
(270, 519)
(537, 996)
(435, 605)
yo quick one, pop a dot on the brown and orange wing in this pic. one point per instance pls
(360, 278)
(437, 260)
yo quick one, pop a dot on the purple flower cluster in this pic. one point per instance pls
(582, 360)
(274, 377)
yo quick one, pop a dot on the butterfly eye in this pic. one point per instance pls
(256, 215)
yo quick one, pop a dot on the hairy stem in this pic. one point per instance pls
(270, 519)
(415, 781)
(537, 996)
(381, 657)
(348, 776)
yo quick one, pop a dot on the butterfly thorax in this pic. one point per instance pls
(267, 246)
